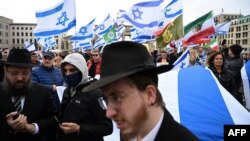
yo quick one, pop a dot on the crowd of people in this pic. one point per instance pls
(126, 92)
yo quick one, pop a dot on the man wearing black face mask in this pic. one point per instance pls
(81, 117)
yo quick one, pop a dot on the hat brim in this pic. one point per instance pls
(18, 64)
(109, 79)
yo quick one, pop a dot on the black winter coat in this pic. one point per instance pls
(226, 79)
(84, 109)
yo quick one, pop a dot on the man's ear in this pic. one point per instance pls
(151, 93)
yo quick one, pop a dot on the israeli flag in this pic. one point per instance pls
(105, 26)
(56, 20)
(197, 100)
(141, 35)
(29, 46)
(99, 42)
(47, 42)
(245, 75)
(85, 32)
(223, 28)
(84, 45)
(143, 15)
(183, 61)
(170, 12)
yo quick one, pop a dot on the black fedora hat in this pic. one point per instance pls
(122, 59)
(19, 57)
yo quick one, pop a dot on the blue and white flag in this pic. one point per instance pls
(105, 26)
(29, 46)
(141, 35)
(119, 32)
(84, 45)
(47, 42)
(245, 75)
(56, 20)
(143, 15)
(197, 100)
(223, 28)
(183, 61)
(170, 12)
(85, 32)
(99, 42)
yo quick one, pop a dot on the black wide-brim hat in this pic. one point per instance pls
(19, 58)
(122, 59)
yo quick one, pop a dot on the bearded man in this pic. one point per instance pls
(26, 108)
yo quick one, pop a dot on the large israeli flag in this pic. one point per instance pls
(198, 101)
(105, 26)
(85, 32)
(245, 75)
(58, 19)
(170, 12)
(143, 15)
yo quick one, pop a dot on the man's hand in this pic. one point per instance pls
(17, 124)
(69, 127)
(53, 88)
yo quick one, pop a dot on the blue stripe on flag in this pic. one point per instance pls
(174, 14)
(209, 123)
(152, 24)
(247, 67)
(81, 37)
(149, 3)
(54, 32)
(50, 12)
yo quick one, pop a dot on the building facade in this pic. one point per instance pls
(14, 35)
(239, 32)
(5, 32)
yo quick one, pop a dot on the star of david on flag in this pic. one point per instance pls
(170, 12)
(85, 33)
(56, 20)
(142, 15)
(105, 26)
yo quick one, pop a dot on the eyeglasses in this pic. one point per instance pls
(113, 101)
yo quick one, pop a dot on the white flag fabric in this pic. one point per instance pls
(183, 61)
(85, 32)
(29, 46)
(198, 101)
(47, 42)
(245, 75)
(223, 28)
(170, 12)
(141, 35)
(143, 15)
(105, 26)
(99, 42)
(56, 20)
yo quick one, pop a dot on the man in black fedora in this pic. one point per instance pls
(26, 108)
(131, 98)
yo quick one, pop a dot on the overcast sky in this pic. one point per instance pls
(23, 11)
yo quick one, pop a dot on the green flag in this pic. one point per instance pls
(110, 35)
(173, 31)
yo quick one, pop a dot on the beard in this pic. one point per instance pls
(18, 88)
(136, 124)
